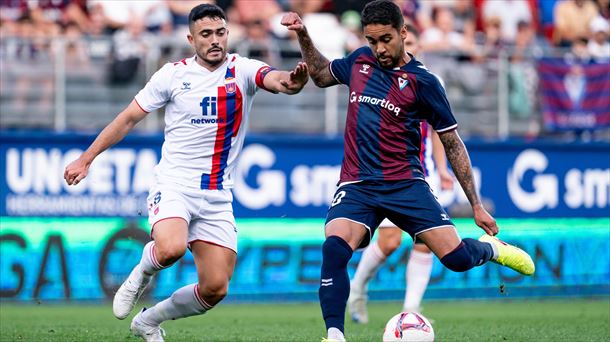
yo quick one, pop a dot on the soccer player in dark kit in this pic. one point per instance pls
(390, 93)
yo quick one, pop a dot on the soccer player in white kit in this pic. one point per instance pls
(419, 265)
(208, 99)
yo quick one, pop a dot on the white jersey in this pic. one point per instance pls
(206, 116)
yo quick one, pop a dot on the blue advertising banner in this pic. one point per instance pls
(280, 259)
(294, 177)
(574, 95)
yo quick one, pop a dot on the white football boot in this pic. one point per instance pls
(150, 333)
(130, 291)
(356, 305)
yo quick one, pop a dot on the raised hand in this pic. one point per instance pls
(293, 22)
(298, 77)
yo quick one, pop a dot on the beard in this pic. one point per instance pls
(212, 61)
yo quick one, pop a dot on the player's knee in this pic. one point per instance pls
(336, 251)
(388, 246)
(168, 253)
(459, 260)
(214, 291)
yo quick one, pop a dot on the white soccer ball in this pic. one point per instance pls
(408, 326)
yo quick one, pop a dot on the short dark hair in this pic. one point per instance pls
(206, 11)
(412, 29)
(384, 12)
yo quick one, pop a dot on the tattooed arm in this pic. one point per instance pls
(317, 64)
(460, 163)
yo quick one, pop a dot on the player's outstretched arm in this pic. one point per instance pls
(287, 82)
(318, 65)
(460, 163)
(110, 135)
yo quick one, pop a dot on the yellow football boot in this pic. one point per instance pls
(510, 256)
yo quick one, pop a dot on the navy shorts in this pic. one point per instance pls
(409, 204)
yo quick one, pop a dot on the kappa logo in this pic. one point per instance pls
(365, 69)
(186, 86)
(445, 217)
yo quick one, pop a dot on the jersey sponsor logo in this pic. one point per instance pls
(365, 69)
(383, 103)
(207, 121)
(208, 106)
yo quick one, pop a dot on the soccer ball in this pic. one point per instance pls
(408, 326)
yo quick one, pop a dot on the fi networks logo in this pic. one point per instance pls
(208, 111)
(208, 106)
(383, 103)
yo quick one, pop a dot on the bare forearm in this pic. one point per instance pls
(460, 163)
(110, 135)
(316, 62)
(438, 153)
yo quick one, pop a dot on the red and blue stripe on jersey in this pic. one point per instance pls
(229, 120)
(425, 132)
(383, 131)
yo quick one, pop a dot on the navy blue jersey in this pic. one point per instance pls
(386, 107)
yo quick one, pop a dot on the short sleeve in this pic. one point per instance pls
(436, 106)
(341, 68)
(253, 72)
(157, 91)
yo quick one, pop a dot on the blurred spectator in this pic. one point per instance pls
(308, 6)
(327, 34)
(492, 37)
(118, 14)
(443, 37)
(579, 53)
(350, 20)
(250, 20)
(603, 6)
(464, 18)
(179, 11)
(61, 12)
(76, 51)
(572, 18)
(510, 12)
(130, 45)
(522, 76)
(425, 9)
(598, 45)
(12, 10)
(413, 14)
(99, 44)
(259, 43)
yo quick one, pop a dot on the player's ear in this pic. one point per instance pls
(403, 32)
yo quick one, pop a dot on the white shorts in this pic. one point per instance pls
(209, 213)
(433, 181)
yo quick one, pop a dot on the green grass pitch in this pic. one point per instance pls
(515, 320)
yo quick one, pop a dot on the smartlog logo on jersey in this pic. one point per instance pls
(383, 103)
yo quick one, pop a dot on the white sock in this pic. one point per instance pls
(372, 259)
(148, 262)
(185, 302)
(418, 272)
(335, 334)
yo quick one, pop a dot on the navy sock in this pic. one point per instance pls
(468, 254)
(334, 283)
